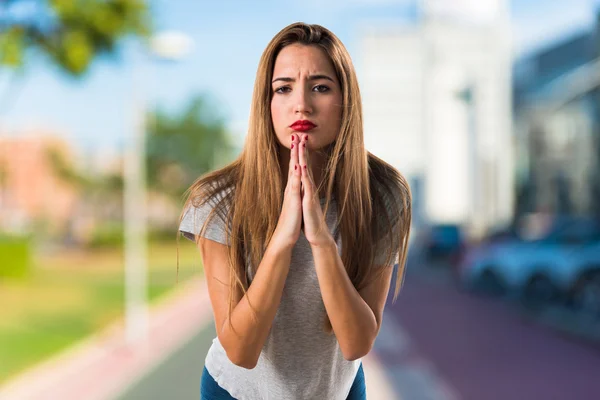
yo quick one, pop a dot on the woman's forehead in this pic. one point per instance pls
(299, 59)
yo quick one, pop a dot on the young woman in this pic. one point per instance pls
(300, 234)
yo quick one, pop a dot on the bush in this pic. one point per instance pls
(107, 235)
(15, 256)
(112, 235)
(162, 234)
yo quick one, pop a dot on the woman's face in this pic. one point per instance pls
(307, 99)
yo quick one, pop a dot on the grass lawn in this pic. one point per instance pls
(74, 294)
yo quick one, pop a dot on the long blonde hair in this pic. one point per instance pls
(373, 199)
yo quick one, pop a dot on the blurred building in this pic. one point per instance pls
(33, 195)
(557, 121)
(40, 190)
(437, 105)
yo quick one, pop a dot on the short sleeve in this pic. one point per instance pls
(194, 218)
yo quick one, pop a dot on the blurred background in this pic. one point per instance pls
(110, 109)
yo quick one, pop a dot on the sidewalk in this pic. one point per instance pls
(103, 366)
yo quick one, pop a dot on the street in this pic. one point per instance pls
(484, 349)
(441, 344)
(178, 377)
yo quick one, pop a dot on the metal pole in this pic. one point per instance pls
(136, 314)
(474, 163)
(169, 45)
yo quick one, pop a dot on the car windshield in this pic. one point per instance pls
(447, 233)
(574, 230)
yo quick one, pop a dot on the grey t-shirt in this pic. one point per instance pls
(299, 360)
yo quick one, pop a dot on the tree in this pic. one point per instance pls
(71, 33)
(181, 147)
(100, 195)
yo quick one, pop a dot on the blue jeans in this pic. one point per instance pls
(210, 389)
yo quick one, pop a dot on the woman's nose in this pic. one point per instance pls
(303, 102)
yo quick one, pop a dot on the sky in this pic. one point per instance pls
(96, 112)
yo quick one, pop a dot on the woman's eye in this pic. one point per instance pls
(283, 89)
(321, 88)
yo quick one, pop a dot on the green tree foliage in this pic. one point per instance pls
(181, 146)
(185, 145)
(70, 32)
(109, 183)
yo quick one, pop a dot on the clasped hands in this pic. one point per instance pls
(301, 205)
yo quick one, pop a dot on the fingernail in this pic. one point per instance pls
(306, 137)
(292, 145)
(305, 167)
(293, 138)
(295, 167)
(304, 144)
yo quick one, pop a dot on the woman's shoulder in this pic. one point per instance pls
(208, 205)
(211, 195)
(207, 201)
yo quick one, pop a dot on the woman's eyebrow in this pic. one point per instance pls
(310, 78)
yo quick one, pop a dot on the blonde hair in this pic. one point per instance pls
(373, 199)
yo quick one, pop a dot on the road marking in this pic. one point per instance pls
(377, 380)
(411, 375)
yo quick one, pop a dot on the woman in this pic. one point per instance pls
(299, 235)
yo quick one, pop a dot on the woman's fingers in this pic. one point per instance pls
(303, 158)
(293, 155)
(294, 177)
(302, 151)
(290, 219)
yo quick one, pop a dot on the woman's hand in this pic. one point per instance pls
(288, 227)
(315, 229)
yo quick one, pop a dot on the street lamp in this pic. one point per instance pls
(467, 96)
(169, 45)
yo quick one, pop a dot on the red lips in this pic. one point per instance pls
(302, 125)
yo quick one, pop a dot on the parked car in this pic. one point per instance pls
(443, 242)
(563, 264)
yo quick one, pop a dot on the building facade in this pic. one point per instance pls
(557, 124)
(437, 106)
(32, 194)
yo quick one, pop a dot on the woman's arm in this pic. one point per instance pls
(355, 316)
(244, 343)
